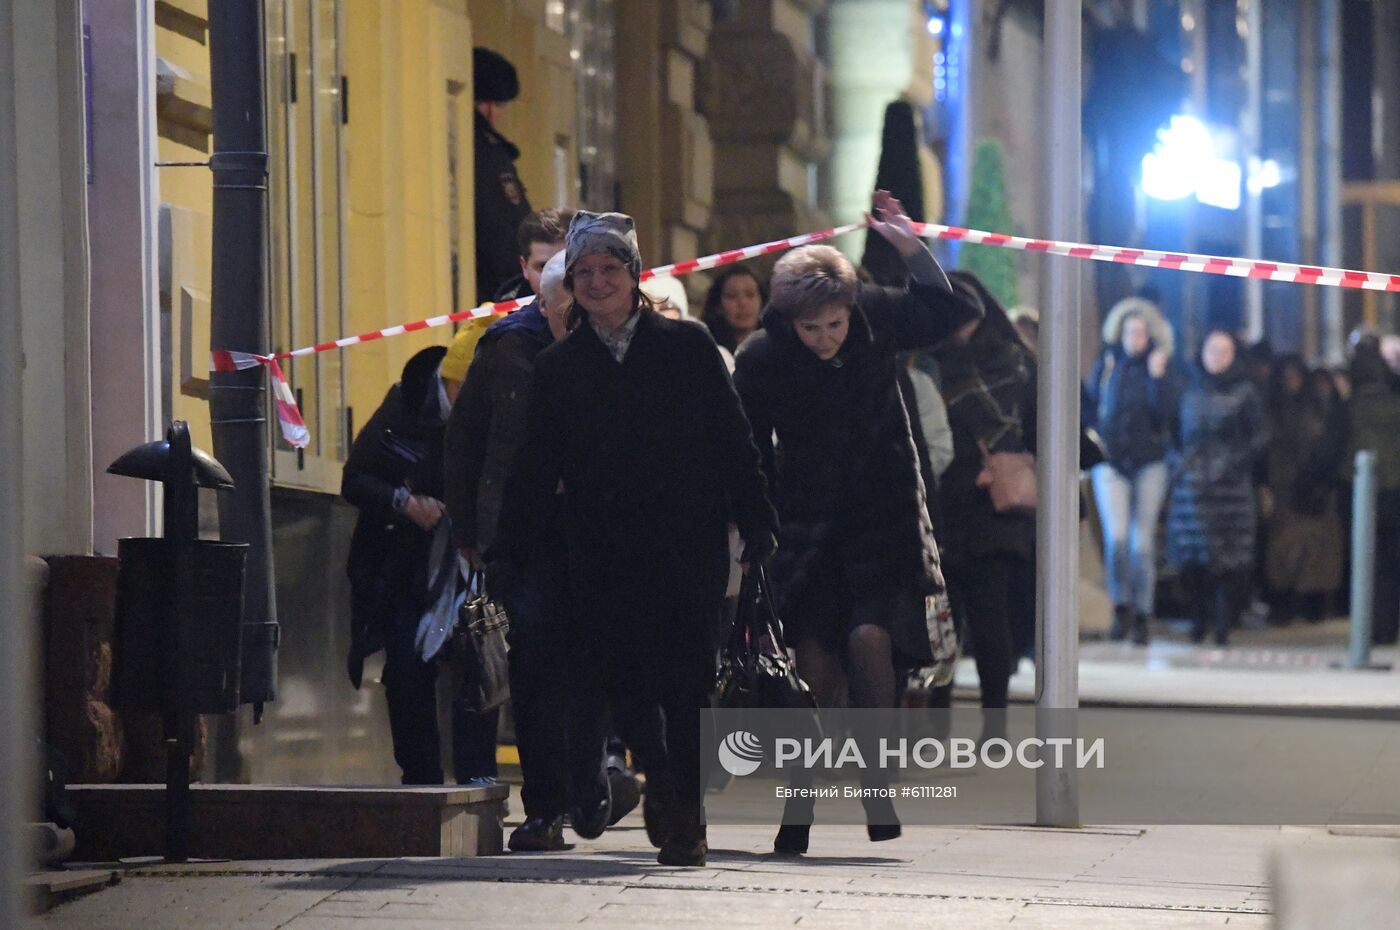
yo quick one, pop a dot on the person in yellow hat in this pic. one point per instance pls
(453, 370)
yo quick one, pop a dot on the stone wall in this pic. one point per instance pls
(765, 93)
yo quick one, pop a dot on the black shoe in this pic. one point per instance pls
(686, 845)
(626, 794)
(881, 822)
(1222, 637)
(537, 834)
(1198, 633)
(792, 839)
(1122, 617)
(678, 852)
(1141, 626)
(589, 816)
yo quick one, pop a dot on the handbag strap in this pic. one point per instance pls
(769, 623)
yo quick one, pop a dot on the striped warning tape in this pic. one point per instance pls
(295, 432)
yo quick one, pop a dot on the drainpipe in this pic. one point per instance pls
(237, 400)
(16, 722)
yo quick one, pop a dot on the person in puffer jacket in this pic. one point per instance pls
(1131, 400)
(1211, 521)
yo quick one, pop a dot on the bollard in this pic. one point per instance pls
(1363, 558)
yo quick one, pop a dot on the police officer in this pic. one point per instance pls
(501, 203)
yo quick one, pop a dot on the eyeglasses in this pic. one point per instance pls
(610, 270)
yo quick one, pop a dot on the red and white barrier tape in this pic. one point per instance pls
(295, 432)
(288, 416)
(1176, 261)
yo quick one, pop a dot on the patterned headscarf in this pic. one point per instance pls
(612, 233)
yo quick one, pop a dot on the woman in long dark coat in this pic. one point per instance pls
(393, 476)
(1211, 522)
(989, 383)
(634, 420)
(856, 553)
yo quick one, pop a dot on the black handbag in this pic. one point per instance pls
(478, 653)
(755, 669)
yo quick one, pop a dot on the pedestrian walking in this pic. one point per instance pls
(1211, 524)
(557, 718)
(989, 384)
(732, 306)
(857, 553)
(394, 477)
(539, 238)
(1372, 422)
(1301, 524)
(634, 421)
(1131, 400)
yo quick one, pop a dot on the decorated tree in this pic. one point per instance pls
(987, 209)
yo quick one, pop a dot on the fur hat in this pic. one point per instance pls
(493, 77)
(1158, 328)
(611, 233)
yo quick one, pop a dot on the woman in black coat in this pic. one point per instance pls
(634, 421)
(856, 551)
(393, 476)
(988, 379)
(1211, 523)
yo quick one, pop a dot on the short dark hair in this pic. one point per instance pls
(547, 226)
(809, 278)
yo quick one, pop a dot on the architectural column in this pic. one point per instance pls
(123, 225)
(664, 158)
(765, 93)
(879, 51)
(52, 201)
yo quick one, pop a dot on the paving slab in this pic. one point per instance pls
(1153, 877)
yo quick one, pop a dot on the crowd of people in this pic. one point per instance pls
(1251, 456)
(613, 466)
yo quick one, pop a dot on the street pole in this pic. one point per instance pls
(1253, 139)
(237, 400)
(1057, 436)
(1363, 559)
(16, 722)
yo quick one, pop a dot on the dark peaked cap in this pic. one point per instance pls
(493, 77)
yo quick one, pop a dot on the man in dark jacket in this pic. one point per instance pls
(394, 477)
(555, 726)
(539, 238)
(501, 203)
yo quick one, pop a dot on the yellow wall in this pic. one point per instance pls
(364, 204)
(186, 195)
(360, 213)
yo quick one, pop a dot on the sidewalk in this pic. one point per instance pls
(970, 878)
(1297, 667)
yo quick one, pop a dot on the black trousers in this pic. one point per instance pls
(984, 591)
(663, 733)
(410, 685)
(557, 709)
(1217, 597)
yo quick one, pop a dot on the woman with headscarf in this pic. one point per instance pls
(1211, 526)
(635, 423)
(857, 553)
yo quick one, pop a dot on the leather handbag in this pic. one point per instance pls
(1009, 478)
(755, 669)
(478, 654)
